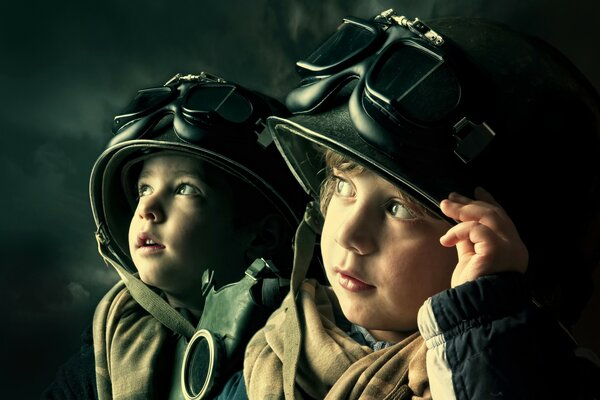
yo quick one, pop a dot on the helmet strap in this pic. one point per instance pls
(146, 297)
(304, 244)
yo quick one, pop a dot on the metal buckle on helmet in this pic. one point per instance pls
(416, 26)
(101, 236)
(471, 139)
(201, 77)
(263, 136)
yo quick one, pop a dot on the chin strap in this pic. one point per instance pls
(146, 297)
(304, 244)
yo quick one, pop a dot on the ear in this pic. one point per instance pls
(269, 234)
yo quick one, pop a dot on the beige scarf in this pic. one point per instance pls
(332, 365)
(128, 344)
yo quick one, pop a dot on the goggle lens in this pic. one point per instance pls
(348, 41)
(203, 102)
(409, 80)
(147, 99)
(144, 102)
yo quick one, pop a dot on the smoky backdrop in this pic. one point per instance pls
(66, 67)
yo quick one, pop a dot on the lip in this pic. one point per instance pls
(352, 283)
(141, 246)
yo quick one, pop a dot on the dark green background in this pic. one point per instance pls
(67, 67)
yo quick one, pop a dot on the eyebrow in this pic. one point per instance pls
(400, 193)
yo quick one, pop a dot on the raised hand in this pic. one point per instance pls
(485, 237)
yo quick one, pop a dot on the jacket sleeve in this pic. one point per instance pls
(76, 379)
(234, 389)
(486, 339)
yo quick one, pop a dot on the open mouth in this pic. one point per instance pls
(147, 240)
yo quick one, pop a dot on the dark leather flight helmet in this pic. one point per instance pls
(453, 103)
(202, 116)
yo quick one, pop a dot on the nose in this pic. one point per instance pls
(150, 208)
(357, 231)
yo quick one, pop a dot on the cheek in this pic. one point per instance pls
(328, 239)
(430, 267)
(132, 235)
(417, 250)
(333, 217)
(446, 260)
(203, 235)
(192, 237)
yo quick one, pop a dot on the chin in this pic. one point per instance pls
(149, 281)
(153, 279)
(358, 317)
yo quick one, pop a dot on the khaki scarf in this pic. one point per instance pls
(332, 365)
(128, 344)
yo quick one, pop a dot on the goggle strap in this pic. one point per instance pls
(147, 298)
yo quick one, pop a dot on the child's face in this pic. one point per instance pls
(382, 259)
(183, 225)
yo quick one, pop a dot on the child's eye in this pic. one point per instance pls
(343, 188)
(187, 189)
(144, 190)
(399, 210)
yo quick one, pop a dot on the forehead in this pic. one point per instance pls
(175, 165)
(173, 162)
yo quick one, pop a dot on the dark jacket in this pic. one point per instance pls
(76, 379)
(487, 340)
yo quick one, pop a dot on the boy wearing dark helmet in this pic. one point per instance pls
(436, 288)
(193, 196)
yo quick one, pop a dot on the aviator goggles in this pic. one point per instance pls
(202, 106)
(410, 82)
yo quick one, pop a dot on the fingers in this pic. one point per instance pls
(471, 237)
(484, 209)
(485, 237)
